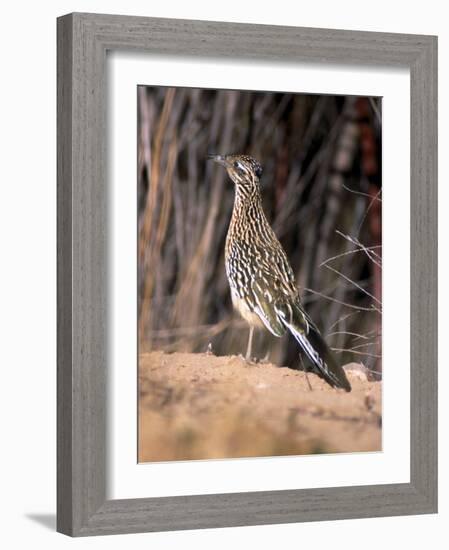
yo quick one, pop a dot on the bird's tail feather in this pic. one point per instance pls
(320, 355)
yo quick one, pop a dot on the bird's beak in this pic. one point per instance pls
(220, 159)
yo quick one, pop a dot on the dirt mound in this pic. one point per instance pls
(197, 406)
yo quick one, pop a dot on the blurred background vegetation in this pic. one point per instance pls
(321, 191)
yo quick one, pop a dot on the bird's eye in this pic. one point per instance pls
(258, 172)
(236, 164)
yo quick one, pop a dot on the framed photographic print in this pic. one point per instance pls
(246, 274)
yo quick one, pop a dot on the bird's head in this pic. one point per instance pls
(245, 171)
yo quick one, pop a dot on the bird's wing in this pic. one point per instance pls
(258, 274)
(263, 306)
(272, 281)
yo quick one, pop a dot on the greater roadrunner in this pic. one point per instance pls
(263, 287)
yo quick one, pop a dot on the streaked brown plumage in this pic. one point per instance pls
(262, 283)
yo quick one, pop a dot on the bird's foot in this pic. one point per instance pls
(261, 360)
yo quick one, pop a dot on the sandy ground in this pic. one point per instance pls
(197, 406)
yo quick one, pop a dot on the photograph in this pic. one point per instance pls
(259, 261)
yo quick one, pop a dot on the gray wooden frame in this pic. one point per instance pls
(83, 40)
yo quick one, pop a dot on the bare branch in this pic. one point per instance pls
(356, 285)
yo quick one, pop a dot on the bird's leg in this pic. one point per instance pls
(250, 343)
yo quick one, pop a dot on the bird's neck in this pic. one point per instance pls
(247, 216)
(245, 195)
(245, 202)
